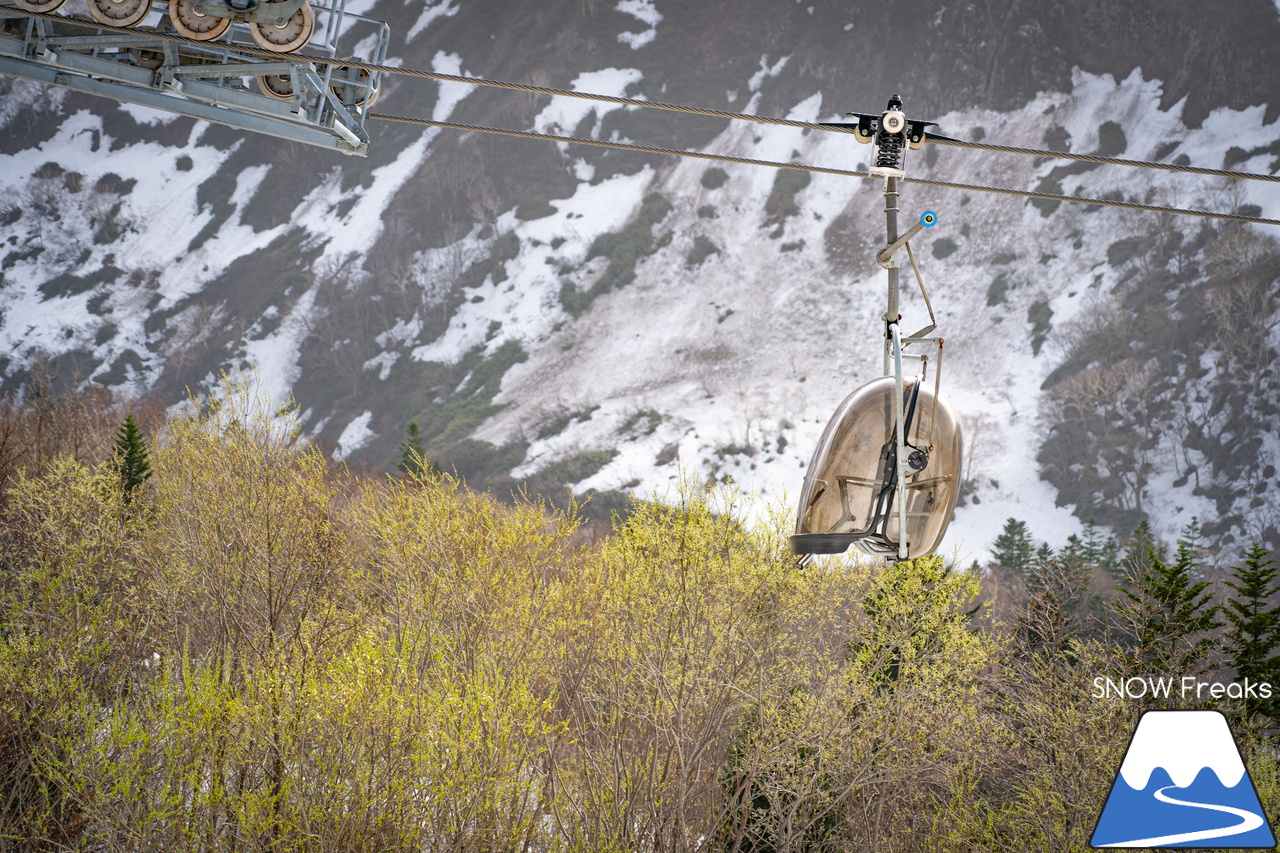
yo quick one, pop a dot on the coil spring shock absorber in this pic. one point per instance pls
(889, 151)
(890, 140)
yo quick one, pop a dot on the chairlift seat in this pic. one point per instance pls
(850, 488)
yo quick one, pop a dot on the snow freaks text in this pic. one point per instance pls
(1186, 687)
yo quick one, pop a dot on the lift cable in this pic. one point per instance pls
(657, 105)
(804, 167)
(1095, 158)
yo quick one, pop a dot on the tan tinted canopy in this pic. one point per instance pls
(850, 489)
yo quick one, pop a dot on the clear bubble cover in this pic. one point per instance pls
(850, 490)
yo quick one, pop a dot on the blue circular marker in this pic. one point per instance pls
(928, 219)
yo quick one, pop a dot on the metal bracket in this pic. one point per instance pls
(886, 255)
(899, 414)
(205, 81)
(253, 10)
(933, 321)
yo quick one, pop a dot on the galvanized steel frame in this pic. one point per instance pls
(203, 81)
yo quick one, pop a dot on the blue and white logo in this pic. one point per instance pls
(1183, 784)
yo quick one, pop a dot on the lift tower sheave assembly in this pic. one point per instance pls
(885, 475)
(199, 58)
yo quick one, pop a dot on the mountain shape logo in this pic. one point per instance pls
(1183, 784)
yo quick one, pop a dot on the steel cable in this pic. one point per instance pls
(657, 105)
(1095, 158)
(825, 170)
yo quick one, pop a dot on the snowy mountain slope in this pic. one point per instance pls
(586, 317)
(794, 315)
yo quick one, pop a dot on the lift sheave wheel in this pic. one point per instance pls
(120, 13)
(192, 22)
(115, 52)
(40, 5)
(276, 85)
(360, 95)
(287, 35)
(850, 489)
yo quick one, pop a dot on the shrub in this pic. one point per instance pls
(714, 178)
(624, 249)
(74, 636)
(781, 202)
(703, 248)
(997, 289)
(262, 651)
(1047, 206)
(1039, 315)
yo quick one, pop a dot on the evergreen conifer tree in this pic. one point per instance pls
(1089, 542)
(131, 458)
(1170, 613)
(1040, 560)
(413, 458)
(1104, 553)
(1073, 553)
(1013, 548)
(1253, 635)
(1193, 536)
(1141, 549)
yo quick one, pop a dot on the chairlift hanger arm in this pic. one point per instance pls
(928, 220)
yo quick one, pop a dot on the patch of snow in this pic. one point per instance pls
(275, 357)
(247, 403)
(366, 46)
(162, 199)
(808, 109)
(766, 70)
(450, 92)
(362, 225)
(233, 240)
(563, 114)
(647, 14)
(527, 303)
(247, 183)
(383, 361)
(355, 436)
(28, 93)
(1172, 507)
(430, 13)
(403, 332)
(318, 428)
(1011, 486)
(147, 115)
